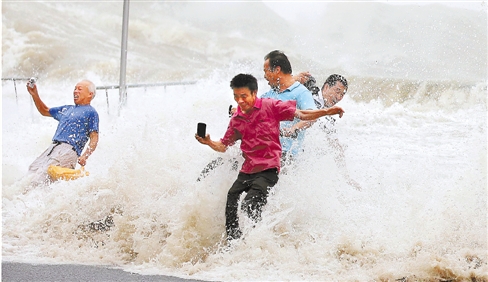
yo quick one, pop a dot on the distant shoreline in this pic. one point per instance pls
(17, 271)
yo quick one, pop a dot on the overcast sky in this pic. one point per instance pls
(295, 10)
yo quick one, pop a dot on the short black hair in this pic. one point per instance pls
(244, 80)
(278, 59)
(333, 78)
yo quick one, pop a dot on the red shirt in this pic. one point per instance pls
(259, 132)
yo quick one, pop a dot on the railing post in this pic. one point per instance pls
(15, 88)
(123, 57)
(108, 106)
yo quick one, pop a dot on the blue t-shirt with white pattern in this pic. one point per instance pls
(76, 122)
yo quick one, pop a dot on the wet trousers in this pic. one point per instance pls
(61, 154)
(256, 186)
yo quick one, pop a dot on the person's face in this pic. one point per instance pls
(81, 94)
(333, 94)
(270, 75)
(245, 98)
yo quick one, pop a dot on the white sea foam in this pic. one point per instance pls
(416, 144)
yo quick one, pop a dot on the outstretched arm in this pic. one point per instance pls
(301, 125)
(41, 107)
(315, 114)
(91, 148)
(215, 145)
(309, 117)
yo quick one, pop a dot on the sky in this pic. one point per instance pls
(295, 10)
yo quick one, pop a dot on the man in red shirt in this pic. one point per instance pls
(257, 124)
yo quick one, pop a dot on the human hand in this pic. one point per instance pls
(302, 77)
(232, 110)
(205, 140)
(335, 110)
(31, 88)
(287, 132)
(82, 160)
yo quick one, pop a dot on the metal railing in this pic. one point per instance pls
(142, 85)
(14, 79)
(108, 87)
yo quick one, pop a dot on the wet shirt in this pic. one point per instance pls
(76, 122)
(259, 132)
(303, 97)
(326, 123)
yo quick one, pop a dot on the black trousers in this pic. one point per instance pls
(256, 186)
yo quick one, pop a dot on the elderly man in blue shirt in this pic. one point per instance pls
(77, 125)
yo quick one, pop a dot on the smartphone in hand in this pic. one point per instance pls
(31, 82)
(201, 128)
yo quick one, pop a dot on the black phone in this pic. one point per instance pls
(201, 129)
(230, 111)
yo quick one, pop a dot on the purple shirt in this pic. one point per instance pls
(259, 132)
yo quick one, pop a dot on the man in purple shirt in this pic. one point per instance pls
(257, 124)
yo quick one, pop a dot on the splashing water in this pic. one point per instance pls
(417, 146)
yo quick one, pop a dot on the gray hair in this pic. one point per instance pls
(91, 87)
